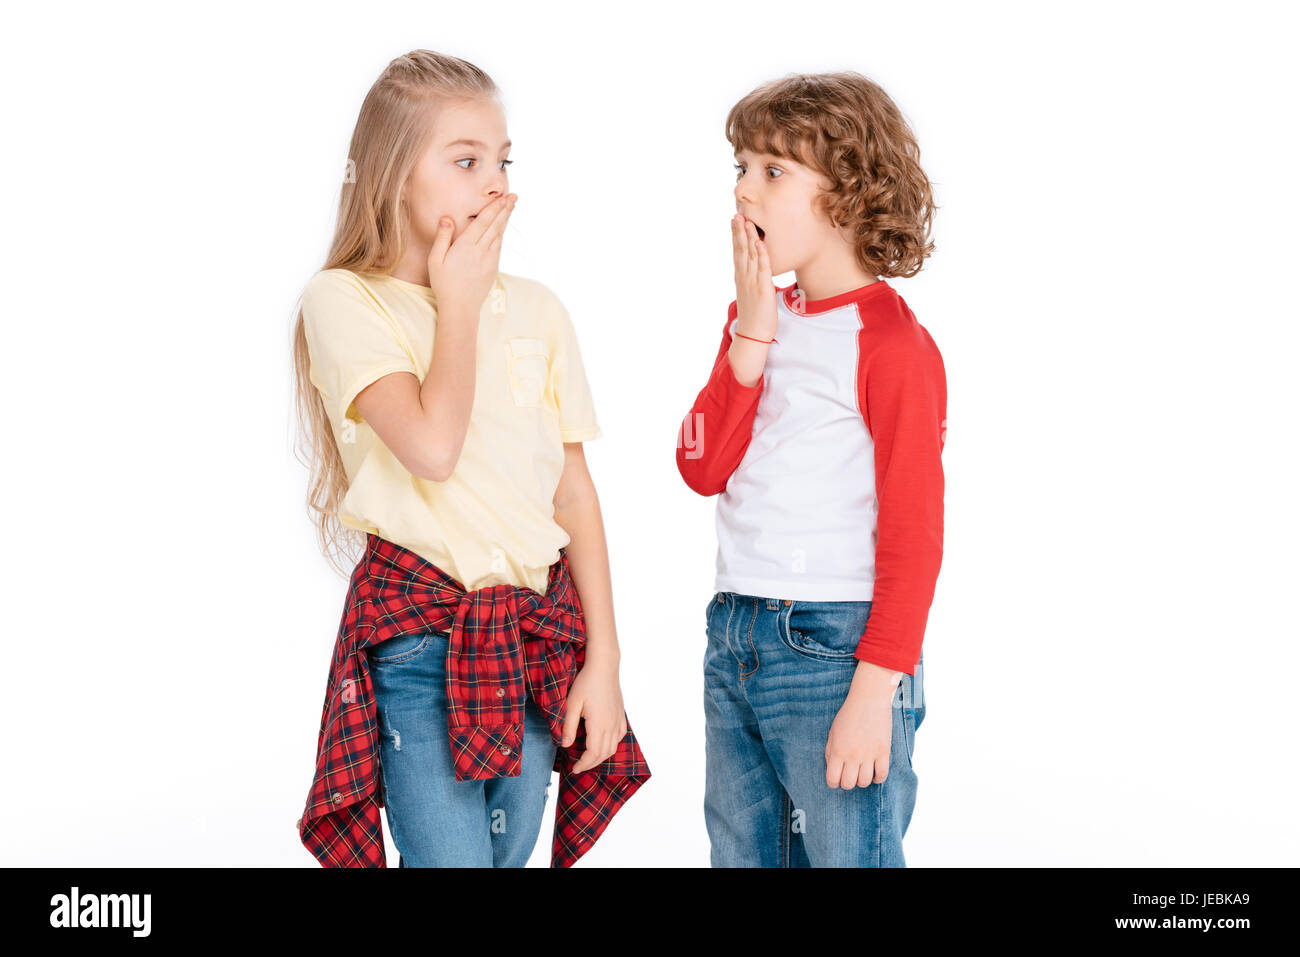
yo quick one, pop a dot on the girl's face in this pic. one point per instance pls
(462, 170)
(777, 195)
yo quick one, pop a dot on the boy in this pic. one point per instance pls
(822, 426)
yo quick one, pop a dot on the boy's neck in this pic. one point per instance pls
(830, 276)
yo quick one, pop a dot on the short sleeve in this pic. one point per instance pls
(351, 338)
(570, 389)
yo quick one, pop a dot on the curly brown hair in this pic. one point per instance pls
(847, 127)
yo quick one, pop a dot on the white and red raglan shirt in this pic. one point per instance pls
(829, 466)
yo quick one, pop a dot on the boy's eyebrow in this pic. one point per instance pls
(479, 143)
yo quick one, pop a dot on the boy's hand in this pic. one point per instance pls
(461, 272)
(857, 749)
(755, 294)
(595, 696)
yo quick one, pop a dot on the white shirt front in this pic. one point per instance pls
(797, 519)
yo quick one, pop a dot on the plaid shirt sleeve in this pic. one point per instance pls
(506, 643)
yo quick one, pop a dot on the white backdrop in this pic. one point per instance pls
(1111, 656)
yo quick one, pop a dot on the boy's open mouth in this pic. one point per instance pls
(761, 234)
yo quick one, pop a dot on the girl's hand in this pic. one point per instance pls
(755, 294)
(461, 272)
(595, 696)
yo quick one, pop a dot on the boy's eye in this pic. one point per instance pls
(740, 170)
(469, 159)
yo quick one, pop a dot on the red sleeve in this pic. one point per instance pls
(906, 396)
(716, 432)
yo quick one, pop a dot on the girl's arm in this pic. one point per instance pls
(577, 511)
(594, 696)
(424, 425)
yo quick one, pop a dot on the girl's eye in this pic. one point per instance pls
(469, 159)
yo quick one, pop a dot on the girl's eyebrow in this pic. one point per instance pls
(478, 143)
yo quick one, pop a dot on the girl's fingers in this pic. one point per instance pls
(498, 225)
(485, 219)
(442, 239)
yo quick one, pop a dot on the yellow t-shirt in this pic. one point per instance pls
(493, 520)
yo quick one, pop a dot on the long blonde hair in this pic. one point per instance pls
(392, 131)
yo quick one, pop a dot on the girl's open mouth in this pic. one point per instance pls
(761, 234)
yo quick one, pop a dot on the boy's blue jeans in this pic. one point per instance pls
(776, 672)
(436, 820)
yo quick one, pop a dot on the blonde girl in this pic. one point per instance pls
(445, 405)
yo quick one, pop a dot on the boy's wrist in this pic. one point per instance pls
(873, 680)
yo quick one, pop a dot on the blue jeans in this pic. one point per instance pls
(437, 821)
(776, 672)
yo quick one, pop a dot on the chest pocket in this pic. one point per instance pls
(528, 366)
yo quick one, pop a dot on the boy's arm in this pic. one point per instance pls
(906, 395)
(716, 432)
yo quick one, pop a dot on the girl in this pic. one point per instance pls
(446, 406)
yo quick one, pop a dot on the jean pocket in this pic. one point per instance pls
(528, 365)
(917, 686)
(825, 630)
(716, 602)
(909, 733)
(401, 649)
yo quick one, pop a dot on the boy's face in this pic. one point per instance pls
(454, 177)
(777, 194)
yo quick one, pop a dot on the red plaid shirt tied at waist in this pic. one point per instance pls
(506, 643)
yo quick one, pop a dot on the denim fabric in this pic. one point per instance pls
(776, 672)
(435, 820)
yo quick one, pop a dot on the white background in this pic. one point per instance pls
(1111, 657)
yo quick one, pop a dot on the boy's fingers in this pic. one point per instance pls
(882, 768)
(751, 235)
(833, 770)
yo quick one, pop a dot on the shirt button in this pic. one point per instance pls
(501, 692)
(504, 749)
(338, 797)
